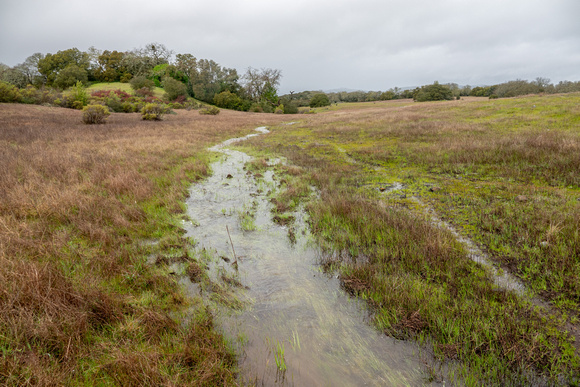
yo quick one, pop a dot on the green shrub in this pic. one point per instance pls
(140, 82)
(126, 77)
(228, 100)
(78, 96)
(279, 109)
(114, 103)
(128, 107)
(95, 114)
(9, 93)
(211, 110)
(291, 107)
(152, 112)
(78, 105)
(319, 100)
(173, 88)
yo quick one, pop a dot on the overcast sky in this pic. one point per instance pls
(319, 44)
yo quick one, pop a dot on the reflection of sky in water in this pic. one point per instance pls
(291, 301)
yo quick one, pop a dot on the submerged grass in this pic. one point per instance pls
(503, 172)
(81, 210)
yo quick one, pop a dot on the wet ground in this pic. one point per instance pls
(291, 323)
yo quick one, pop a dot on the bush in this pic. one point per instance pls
(279, 109)
(291, 108)
(114, 103)
(9, 93)
(211, 110)
(78, 96)
(228, 100)
(319, 100)
(141, 82)
(173, 88)
(152, 112)
(144, 92)
(128, 107)
(95, 114)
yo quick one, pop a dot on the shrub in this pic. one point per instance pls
(140, 82)
(9, 93)
(95, 114)
(128, 107)
(173, 88)
(152, 112)
(291, 108)
(144, 92)
(31, 95)
(78, 105)
(78, 95)
(279, 109)
(126, 77)
(211, 110)
(114, 103)
(228, 100)
(319, 100)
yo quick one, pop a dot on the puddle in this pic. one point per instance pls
(296, 326)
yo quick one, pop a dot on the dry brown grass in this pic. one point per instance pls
(75, 200)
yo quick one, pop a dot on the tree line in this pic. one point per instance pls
(153, 65)
(438, 92)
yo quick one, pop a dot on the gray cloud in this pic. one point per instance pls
(320, 44)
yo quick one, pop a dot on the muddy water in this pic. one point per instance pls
(291, 311)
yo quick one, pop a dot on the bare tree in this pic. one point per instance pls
(258, 82)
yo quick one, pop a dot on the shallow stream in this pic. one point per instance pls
(291, 323)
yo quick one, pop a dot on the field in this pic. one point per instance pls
(126, 87)
(395, 176)
(84, 208)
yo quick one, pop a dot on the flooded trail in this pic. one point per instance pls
(293, 325)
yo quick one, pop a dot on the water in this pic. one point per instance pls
(288, 314)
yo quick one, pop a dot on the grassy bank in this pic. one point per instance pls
(83, 209)
(502, 172)
(126, 87)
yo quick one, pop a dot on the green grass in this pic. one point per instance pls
(126, 87)
(505, 174)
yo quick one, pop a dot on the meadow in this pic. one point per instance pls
(85, 208)
(503, 173)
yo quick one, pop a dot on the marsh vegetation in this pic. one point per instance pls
(91, 226)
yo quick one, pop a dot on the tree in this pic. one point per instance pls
(52, 64)
(13, 76)
(29, 68)
(209, 79)
(434, 92)
(258, 82)
(110, 66)
(319, 100)
(387, 95)
(69, 76)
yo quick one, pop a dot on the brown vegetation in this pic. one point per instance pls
(78, 303)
